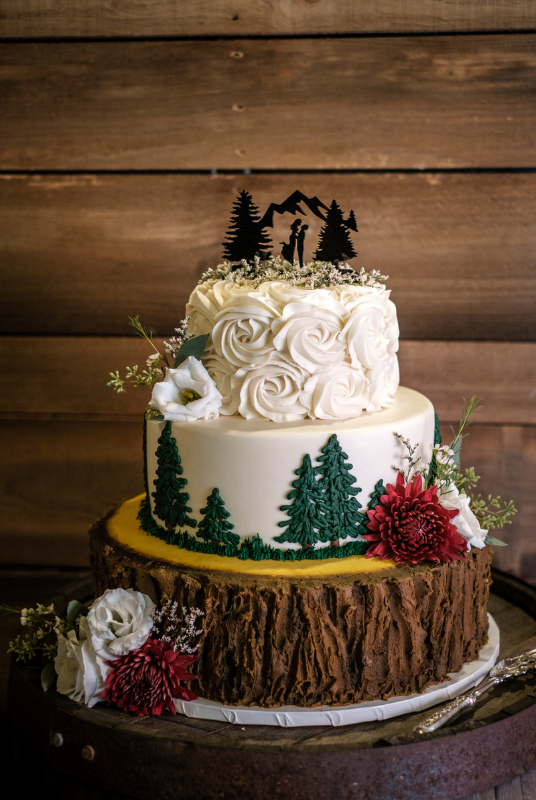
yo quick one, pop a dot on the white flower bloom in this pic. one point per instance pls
(371, 332)
(269, 391)
(444, 455)
(120, 621)
(81, 671)
(340, 393)
(187, 393)
(243, 329)
(465, 521)
(152, 358)
(309, 335)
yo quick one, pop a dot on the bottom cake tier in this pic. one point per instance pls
(306, 633)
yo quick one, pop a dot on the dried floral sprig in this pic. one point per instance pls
(410, 458)
(177, 341)
(314, 275)
(178, 628)
(490, 514)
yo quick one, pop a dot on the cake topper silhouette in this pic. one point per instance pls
(247, 237)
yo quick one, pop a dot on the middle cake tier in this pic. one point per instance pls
(253, 464)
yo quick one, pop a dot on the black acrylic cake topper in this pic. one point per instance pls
(247, 237)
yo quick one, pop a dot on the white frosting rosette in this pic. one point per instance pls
(120, 621)
(340, 393)
(81, 671)
(383, 383)
(187, 393)
(221, 373)
(371, 332)
(310, 334)
(269, 391)
(466, 523)
(201, 308)
(242, 331)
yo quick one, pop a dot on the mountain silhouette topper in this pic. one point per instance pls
(292, 206)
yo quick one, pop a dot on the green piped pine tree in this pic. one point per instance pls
(214, 527)
(169, 499)
(341, 508)
(432, 471)
(306, 524)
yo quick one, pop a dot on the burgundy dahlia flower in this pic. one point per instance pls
(146, 680)
(409, 526)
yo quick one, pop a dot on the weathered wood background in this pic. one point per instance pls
(127, 130)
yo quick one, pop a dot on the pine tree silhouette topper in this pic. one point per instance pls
(341, 508)
(306, 524)
(245, 237)
(169, 499)
(215, 525)
(334, 243)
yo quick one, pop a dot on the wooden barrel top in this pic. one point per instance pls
(150, 757)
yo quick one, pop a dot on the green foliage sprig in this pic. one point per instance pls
(176, 350)
(490, 514)
(41, 622)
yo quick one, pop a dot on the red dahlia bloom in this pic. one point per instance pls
(146, 680)
(410, 526)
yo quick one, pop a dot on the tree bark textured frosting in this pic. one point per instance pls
(282, 352)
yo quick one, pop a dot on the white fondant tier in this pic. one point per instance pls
(283, 352)
(253, 463)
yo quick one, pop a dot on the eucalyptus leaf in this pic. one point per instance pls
(192, 347)
(48, 676)
(157, 418)
(495, 542)
(75, 610)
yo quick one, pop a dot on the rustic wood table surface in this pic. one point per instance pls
(23, 588)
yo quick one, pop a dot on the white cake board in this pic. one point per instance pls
(292, 716)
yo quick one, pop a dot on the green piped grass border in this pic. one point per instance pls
(252, 548)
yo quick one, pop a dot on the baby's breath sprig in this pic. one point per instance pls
(177, 341)
(178, 628)
(314, 275)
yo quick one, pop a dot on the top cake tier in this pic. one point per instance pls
(281, 351)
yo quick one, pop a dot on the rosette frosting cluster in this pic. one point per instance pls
(282, 352)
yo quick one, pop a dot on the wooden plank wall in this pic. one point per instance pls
(127, 130)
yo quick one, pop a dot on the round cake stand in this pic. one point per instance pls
(293, 717)
(64, 750)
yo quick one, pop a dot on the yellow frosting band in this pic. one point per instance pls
(124, 526)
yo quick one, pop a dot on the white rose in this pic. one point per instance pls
(243, 329)
(466, 523)
(310, 336)
(187, 393)
(383, 383)
(81, 671)
(349, 294)
(120, 621)
(225, 290)
(270, 391)
(341, 393)
(371, 331)
(202, 307)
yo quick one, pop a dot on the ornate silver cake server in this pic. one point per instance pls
(505, 669)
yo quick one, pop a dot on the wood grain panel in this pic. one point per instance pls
(82, 252)
(402, 102)
(63, 377)
(56, 478)
(36, 18)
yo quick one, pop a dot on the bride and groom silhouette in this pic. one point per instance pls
(297, 238)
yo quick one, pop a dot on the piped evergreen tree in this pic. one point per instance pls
(306, 522)
(245, 237)
(341, 510)
(432, 470)
(376, 496)
(170, 502)
(334, 243)
(215, 525)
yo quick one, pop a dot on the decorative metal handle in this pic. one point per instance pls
(455, 707)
